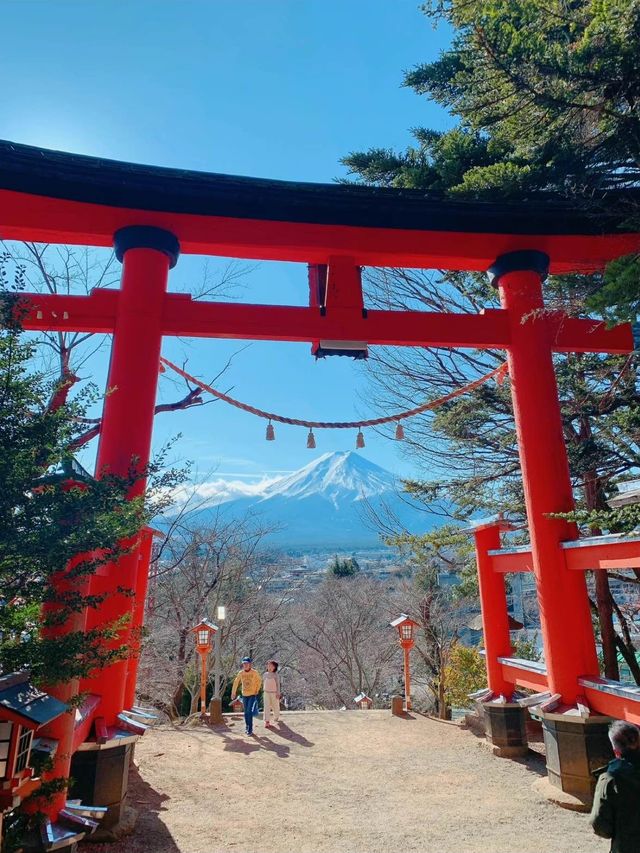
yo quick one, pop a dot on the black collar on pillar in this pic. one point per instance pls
(520, 261)
(146, 237)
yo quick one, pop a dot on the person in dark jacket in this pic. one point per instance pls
(616, 805)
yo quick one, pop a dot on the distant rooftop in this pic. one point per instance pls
(628, 493)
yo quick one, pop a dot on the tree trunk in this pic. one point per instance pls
(607, 631)
(630, 658)
(176, 699)
(442, 704)
(604, 599)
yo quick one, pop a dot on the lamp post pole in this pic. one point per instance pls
(407, 678)
(203, 683)
(215, 709)
(221, 616)
(203, 631)
(217, 664)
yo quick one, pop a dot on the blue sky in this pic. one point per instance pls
(277, 89)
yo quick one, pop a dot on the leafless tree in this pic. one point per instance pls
(339, 642)
(200, 566)
(441, 620)
(77, 271)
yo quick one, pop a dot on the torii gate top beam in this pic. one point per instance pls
(88, 199)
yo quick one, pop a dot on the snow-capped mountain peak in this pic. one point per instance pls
(327, 503)
(343, 475)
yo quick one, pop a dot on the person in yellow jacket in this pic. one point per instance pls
(251, 684)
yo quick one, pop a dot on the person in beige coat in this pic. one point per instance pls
(271, 694)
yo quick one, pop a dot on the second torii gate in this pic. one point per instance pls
(149, 215)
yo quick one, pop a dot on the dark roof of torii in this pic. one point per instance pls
(169, 195)
(92, 179)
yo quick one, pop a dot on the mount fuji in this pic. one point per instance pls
(328, 503)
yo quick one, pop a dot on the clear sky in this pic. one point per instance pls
(277, 89)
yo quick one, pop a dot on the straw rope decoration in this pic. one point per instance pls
(499, 374)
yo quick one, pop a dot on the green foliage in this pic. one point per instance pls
(345, 568)
(464, 674)
(439, 162)
(58, 527)
(625, 519)
(525, 649)
(619, 297)
(547, 96)
(45, 523)
(558, 81)
(18, 826)
(447, 548)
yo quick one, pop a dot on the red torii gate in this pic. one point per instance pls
(151, 214)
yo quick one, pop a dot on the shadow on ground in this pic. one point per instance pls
(246, 744)
(150, 833)
(284, 731)
(535, 761)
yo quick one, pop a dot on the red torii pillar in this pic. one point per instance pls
(146, 254)
(493, 602)
(504, 721)
(137, 616)
(565, 617)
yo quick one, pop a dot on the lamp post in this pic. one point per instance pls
(204, 631)
(221, 615)
(406, 627)
(215, 708)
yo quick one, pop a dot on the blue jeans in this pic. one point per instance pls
(250, 703)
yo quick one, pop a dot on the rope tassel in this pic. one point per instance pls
(359, 439)
(311, 440)
(271, 433)
(399, 432)
(501, 375)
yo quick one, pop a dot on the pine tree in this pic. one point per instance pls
(345, 568)
(547, 95)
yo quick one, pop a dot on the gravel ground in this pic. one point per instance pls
(340, 782)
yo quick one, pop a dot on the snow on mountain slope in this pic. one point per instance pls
(336, 477)
(328, 503)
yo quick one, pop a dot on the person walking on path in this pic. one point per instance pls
(251, 683)
(271, 696)
(616, 805)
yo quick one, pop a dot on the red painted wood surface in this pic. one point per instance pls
(624, 554)
(137, 616)
(613, 706)
(495, 618)
(190, 318)
(565, 617)
(608, 555)
(524, 677)
(42, 219)
(127, 426)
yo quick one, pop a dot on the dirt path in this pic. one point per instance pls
(341, 782)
